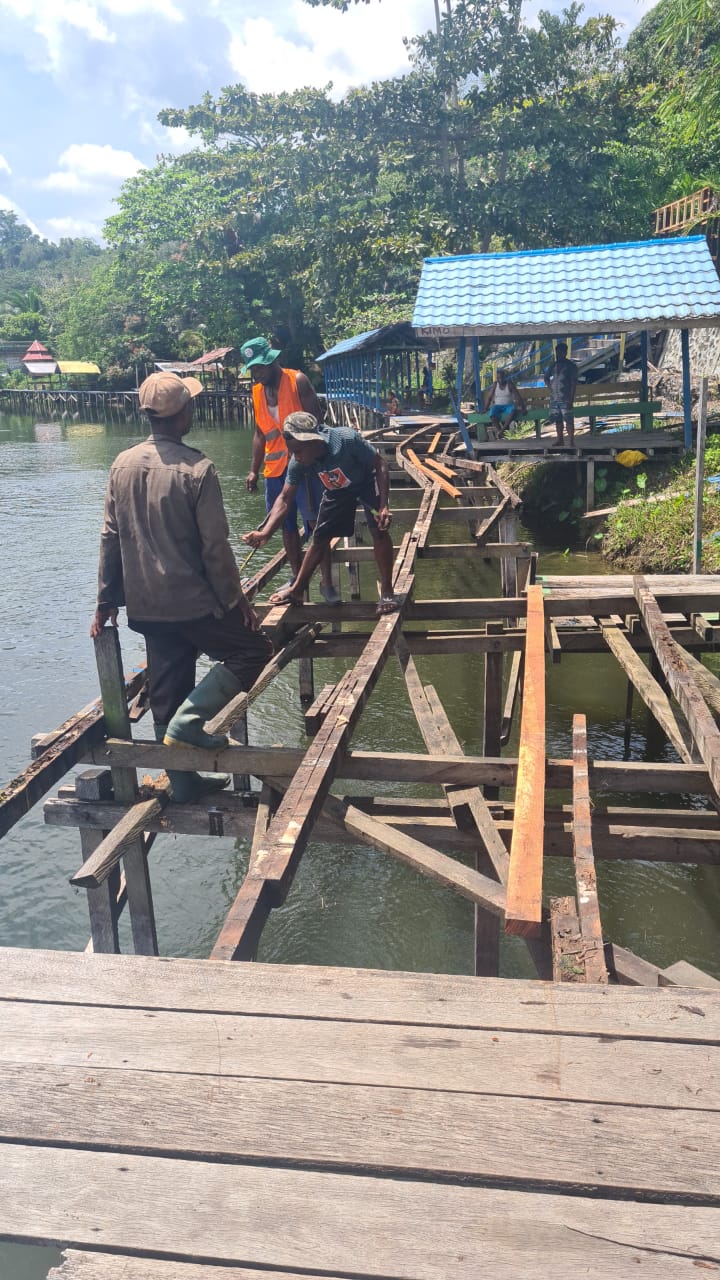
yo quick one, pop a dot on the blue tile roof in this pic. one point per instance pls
(654, 284)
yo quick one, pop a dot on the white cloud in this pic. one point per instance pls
(164, 139)
(4, 166)
(298, 45)
(86, 165)
(12, 207)
(70, 228)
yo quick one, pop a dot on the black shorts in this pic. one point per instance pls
(336, 515)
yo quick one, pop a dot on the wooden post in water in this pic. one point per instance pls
(699, 475)
(492, 705)
(117, 725)
(96, 784)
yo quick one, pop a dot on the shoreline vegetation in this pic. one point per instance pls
(650, 529)
(306, 217)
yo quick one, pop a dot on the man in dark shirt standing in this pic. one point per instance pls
(561, 377)
(165, 554)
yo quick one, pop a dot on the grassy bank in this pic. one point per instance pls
(651, 530)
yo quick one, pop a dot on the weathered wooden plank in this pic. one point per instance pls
(524, 1141)
(511, 696)
(358, 995)
(225, 719)
(567, 943)
(492, 704)
(524, 887)
(124, 781)
(403, 1229)
(650, 691)
(684, 688)
(588, 907)
(437, 866)
(574, 1068)
(63, 748)
(97, 866)
(613, 841)
(686, 975)
(706, 680)
(470, 798)
(291, 826)
(103, 905)
(275, 860)
(605, 775)
(112, 1266)
(467, 806)
(489, 521)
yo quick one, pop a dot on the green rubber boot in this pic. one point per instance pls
(207, 698)
(185, 787)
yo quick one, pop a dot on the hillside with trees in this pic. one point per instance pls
(308, 217)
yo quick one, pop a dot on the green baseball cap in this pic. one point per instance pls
(257, 351)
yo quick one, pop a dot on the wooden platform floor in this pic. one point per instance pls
(600, 446)
(191, 1120)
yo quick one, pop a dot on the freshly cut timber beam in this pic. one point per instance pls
(588, 907)
(682, 684)
(226, 718)
(524, 888)
(647, 686)
(432, 465)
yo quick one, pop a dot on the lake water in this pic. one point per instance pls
(348, 905)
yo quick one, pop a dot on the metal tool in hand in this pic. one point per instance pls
(249, 557)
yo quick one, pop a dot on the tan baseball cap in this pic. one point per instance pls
(165, 394)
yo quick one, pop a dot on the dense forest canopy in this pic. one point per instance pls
(307, 217)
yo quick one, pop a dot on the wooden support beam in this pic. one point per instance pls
(124, 780)
(225, 719)
(524, 890)
(467, 806)
(403, 766)
(275, 862)
(492, 704)
(568, 948)
(681, 682)
(490, 519)
(511, 695)
(97, 866)
(588, 907)
(59, 751)
(655, 699)
(706, 680)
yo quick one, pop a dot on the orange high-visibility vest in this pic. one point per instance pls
(276, 451)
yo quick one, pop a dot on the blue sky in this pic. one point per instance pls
(82, 81)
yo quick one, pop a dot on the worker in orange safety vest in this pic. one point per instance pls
(278, 392)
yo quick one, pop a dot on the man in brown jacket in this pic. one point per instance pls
(166, 556)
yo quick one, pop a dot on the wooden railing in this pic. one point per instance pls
(687, 212)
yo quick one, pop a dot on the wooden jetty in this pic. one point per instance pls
(243, 1119)
(175, 1120)
(216, 407)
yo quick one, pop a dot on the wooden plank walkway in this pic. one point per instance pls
(170, 1118)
